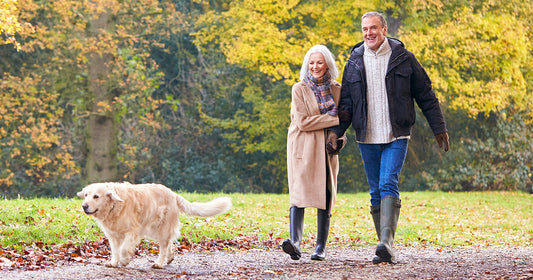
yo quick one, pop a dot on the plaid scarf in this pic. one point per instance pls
(321, 87)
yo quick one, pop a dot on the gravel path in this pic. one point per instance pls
(341, 263)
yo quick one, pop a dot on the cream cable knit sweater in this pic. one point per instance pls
(379, 129)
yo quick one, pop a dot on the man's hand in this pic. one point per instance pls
(442, 140)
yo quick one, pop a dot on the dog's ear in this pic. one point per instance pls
(81, 194)
(114, 196)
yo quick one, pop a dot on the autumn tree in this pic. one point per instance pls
(10, 25)
(479, 63)
(30, 125)
(481, 73)
(91, 55)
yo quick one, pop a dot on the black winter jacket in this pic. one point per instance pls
(405, 80)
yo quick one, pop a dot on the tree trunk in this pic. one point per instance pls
(102, 130)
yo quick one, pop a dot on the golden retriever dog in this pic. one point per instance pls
(127, 212)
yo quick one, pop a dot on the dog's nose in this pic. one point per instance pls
(84, 206)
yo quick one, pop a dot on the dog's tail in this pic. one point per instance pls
(204, 209)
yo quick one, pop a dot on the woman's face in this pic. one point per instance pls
(317, 65)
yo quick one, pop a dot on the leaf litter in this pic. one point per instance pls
(41, 256)
(248, 257)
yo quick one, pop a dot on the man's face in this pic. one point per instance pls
(373, 32)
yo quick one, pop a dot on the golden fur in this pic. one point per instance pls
(126, 213)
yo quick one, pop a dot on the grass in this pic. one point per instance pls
(432, 219)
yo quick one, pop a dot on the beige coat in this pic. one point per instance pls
(307, 159)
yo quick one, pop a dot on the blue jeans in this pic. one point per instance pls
(383, 164)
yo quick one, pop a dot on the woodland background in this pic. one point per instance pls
(195, 94)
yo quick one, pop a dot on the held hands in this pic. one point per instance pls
(333, 143)
(442, 140)
(332, 139)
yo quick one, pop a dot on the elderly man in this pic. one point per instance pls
(380, 83)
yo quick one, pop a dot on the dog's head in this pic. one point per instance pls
(98, 198)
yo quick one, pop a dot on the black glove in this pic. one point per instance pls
(443, 141)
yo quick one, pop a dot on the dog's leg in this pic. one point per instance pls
(115, 251)
(170, 254)
(128, 248)
(165, 248)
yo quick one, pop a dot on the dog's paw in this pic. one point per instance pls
(125, 262)
(157, 266)
(111, 264)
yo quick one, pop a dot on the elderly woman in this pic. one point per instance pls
(312, 167)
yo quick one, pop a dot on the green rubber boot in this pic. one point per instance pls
(389, 213)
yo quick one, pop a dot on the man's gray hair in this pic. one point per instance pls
(328, 56)
(376, 14)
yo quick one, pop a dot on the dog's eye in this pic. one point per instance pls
(95, 196)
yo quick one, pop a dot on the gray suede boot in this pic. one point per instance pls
(292, 246)
(390, 211)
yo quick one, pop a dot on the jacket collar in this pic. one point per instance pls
(396, 45)
(398, 54)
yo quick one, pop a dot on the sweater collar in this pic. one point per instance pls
(384, 49)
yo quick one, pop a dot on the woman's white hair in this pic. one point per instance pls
(328, 56)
